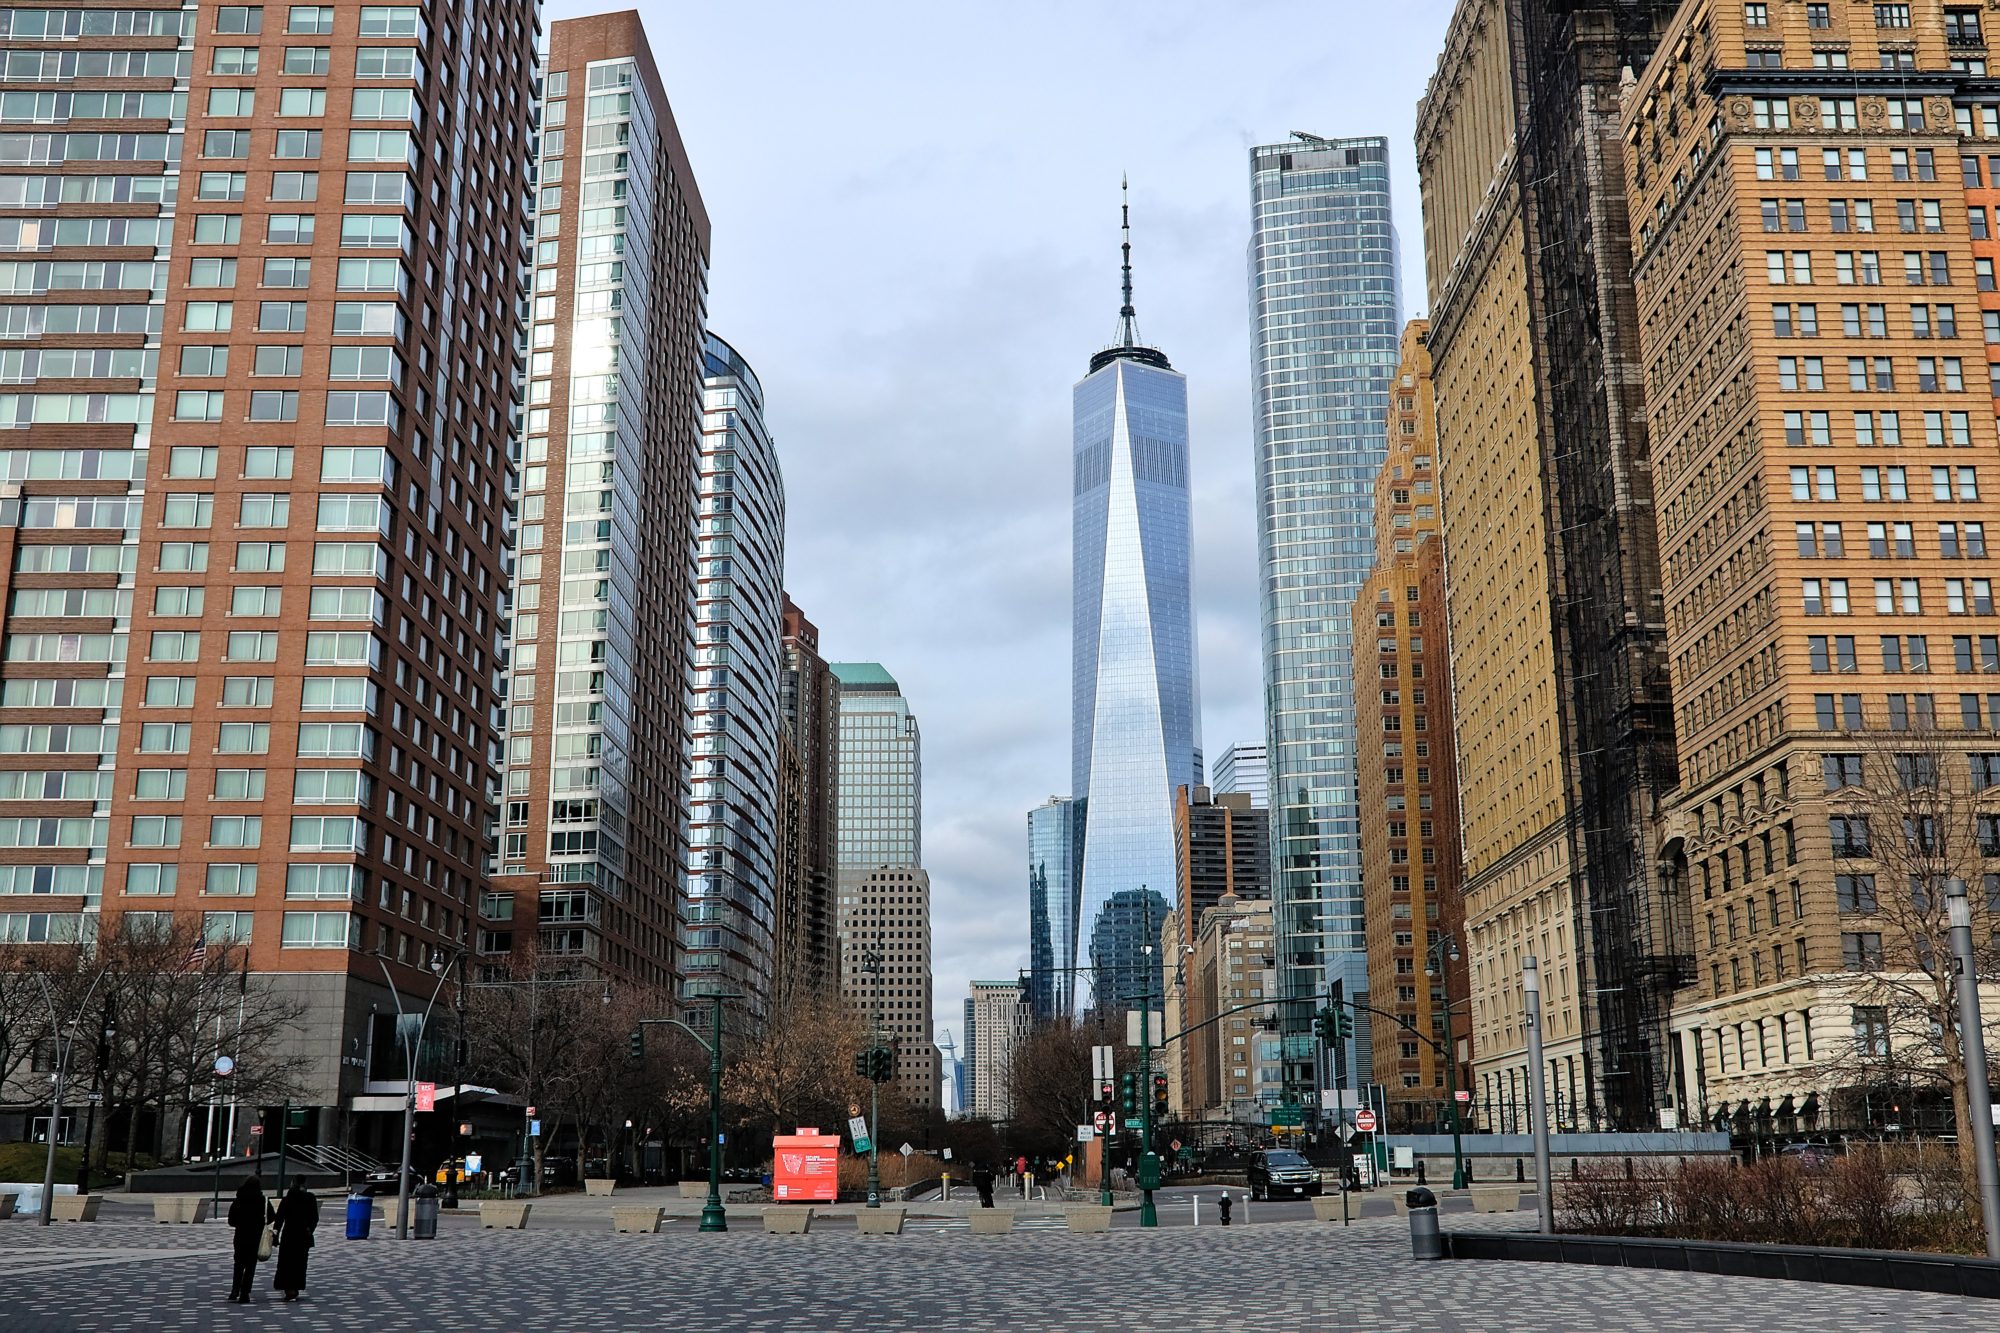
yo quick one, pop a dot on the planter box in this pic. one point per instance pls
(505, 1214)
(75, 1207)
(7, 1202)
(1495, 1198)
(183, 1209)
(1087, 1216)
(788, 1221)
(694, 1189)
(636, 1220)
(880, 1221)
(1326, 1207)
(992, 1221)
(598, 1189)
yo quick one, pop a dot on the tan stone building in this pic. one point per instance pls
(1560, 691)
(1814, 268)
(1408, 781)
(885, 969)
(1230, 1070)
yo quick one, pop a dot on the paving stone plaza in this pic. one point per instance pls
(1278, 1275)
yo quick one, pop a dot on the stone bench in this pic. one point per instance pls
(1496, 1198)
(504, 1214)
(75, 1207)
(597, 1188)
(1087, 1216)
(183, 1209)
(788, 1221)
(880, 1221)
(634, 1220)
(992, 1221)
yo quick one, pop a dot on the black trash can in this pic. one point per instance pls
(424, 1219)
(1425, 1242)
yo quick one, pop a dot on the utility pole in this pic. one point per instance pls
(65, 1047)
(874, 960)
(1538, 1095)
(1149, 1161)
(105, 1031)
(1972, 1043)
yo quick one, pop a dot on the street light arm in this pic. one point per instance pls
(676, 1023)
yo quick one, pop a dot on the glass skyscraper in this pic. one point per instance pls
(1055, 864)
(1325, 319)
(1135, 729)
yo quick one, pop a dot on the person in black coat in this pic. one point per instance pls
(982, 1180)
(297, 1216)
(248, 1216)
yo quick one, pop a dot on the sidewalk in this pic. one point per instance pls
(584, 1207)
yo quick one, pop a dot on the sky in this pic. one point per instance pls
(915, 212)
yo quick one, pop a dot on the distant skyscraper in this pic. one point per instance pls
(727, 941)
(1135, 725)
(1241, 768)
(879, 806)
(885, 970)
(1222, 847)
(808, 940)
(996, 1020)
(1055, 865)
(1325, 321)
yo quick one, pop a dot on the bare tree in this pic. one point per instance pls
(1919, 803)
(40, 988)
(800, 1069)
(1051, 1081)
(539, 1032)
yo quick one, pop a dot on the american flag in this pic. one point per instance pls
(197, 956)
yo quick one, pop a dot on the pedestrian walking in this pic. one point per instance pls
(1223, 1205)
(249, 1214)
(298, 1215)
(982, 1180)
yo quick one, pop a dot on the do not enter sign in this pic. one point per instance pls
(1365, 1121)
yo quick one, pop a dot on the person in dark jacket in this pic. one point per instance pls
(297, 1216)
(982, 1180)
(248, 1215)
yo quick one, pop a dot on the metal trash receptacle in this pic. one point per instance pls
(424, 1212)
(1425, 1241)
(360, 1213)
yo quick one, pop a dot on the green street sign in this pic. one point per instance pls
(1288, 1115)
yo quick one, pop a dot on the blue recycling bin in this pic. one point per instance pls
(360, 1213)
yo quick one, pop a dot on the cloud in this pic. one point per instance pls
(915, 211)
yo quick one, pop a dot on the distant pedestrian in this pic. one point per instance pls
(297, 1216)
(982, 1180)
(1223, 1205)
(248, 1216)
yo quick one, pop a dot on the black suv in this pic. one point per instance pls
(1278, 1173)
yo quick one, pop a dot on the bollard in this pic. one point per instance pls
(360, 1212)
(426, 1215)
(1520, 1172)
(1425, 1242)
(1421, 1179)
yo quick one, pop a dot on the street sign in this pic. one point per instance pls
(858, 1129)
(1097, 1121)
(1346, 1132)
(854, 1108)
(1100, 1063)
(1085, 1133)
(427, 1096)
(1289, 1113)
(474, 1164)
(96, 1097)
(1462, 1096)
(1365, 1121)
(531, 1113)
(257, 1131)
(224, 1066)
(906, 1150)
(947, 1154)
(1175, 1145)
(1156, 1027)
(535, 1128)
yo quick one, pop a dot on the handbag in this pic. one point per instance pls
(266, 1242)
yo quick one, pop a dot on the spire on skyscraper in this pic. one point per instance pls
(1127, 345)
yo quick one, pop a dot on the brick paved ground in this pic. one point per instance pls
(1263, 1279)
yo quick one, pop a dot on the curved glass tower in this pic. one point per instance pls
(1135, 730)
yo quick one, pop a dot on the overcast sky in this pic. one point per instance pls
(916, 211)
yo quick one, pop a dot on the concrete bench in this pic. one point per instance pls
(788, 1221)
(1087, 1216)
(880, 1221)
(1327, 1207)
(184, 1209)
(504, 1214)
(634, 1220)
(597, 1188)
(992, 1221)
(75, 1207)
(1496, 1198)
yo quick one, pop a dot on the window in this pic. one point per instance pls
(235, 830)
(1854, 893)
(282, 361)
(151, 881)
(281, 317)
(320, 930)
(294, 186)
(1849, 834)
(1841, 770)
(1861, 951)
(312, 20)
(287, 271)
(302, 102)
(218, 228)
(1871, 1022)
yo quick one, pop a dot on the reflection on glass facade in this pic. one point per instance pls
(727, 941)
(1055, 865)
(878, 808)
(1135, 729)
(1325, 320)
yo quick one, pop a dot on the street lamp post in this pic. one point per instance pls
(411, 1041)
(1149, 1160)
(1538, 1094)
(1972, 1042)
(713, 1218)
(872, 961)
(105, 1032)
(1433, 966)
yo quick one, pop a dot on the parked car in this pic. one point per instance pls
(1809, 1154)
(384, 1182)
(1277, 1173)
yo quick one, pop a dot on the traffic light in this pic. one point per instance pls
(881, 1064)
(1104, 1093)
(1159, 1096)
(636, 1047)
(1128, 1094)
(1333, 1024)
(863, 1064)
(1343, 1024)
(1323, 1026)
